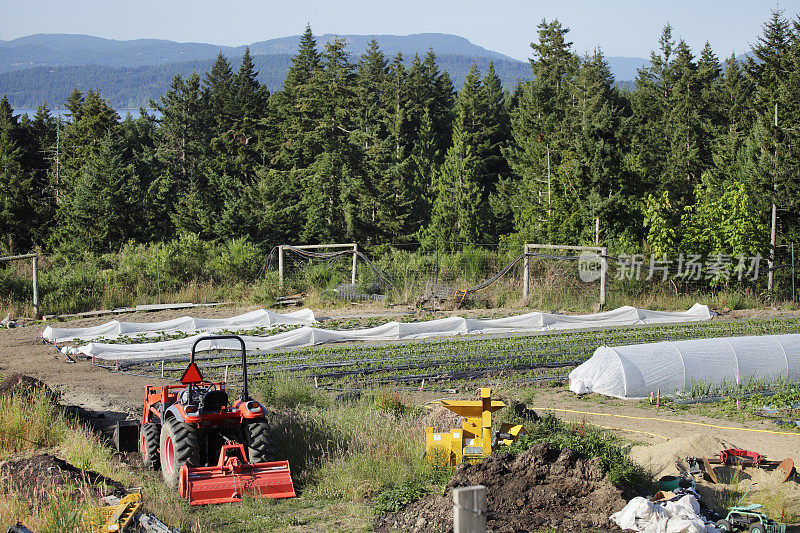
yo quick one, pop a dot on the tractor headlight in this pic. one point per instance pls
(190, 409)
(253, 407)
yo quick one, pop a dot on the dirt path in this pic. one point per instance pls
(81, 384)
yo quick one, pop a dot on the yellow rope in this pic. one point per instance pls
(667, 420)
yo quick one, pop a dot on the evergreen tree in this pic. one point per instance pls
(182, 148)
(219, 92)
(383, 184)
(250, 96)
(769, 144)
(650, 109)
(593, 176)
(298, 105)
(455, 216)
(497, 132)
(16, 187)
(104, 207)
(541, 128)
(334, 181)
(683, 128)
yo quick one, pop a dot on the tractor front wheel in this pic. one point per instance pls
(148, 445)
(258, 439)
(179, 446)
(758, 528)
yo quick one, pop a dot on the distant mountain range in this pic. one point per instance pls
(46, 67)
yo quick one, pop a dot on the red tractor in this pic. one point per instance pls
(211, 450)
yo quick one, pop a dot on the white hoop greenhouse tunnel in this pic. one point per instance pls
(636, 370)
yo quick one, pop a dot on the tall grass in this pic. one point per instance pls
(30, 421)
(348, 450)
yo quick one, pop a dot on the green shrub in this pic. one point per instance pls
(393, 499)
(237, 260)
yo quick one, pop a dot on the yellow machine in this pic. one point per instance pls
(114, 517)
(473, 440)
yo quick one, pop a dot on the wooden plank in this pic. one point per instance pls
(15, 257)
(311, 246)
(560, 247)
(139, 308)
(710, 470)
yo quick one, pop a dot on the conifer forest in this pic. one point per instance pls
(692, 156)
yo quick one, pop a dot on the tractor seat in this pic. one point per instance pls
(214, 401)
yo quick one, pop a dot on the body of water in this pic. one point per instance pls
(63, 113)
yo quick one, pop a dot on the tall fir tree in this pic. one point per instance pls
(541, 130)
(16, 186)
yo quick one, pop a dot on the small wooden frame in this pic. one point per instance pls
(35, 268)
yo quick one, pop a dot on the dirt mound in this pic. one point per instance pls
(538, 488)
(668, 458)
(21, 384)
(41, 473)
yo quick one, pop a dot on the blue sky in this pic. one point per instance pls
(619, 27)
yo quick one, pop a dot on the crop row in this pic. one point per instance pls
(452, 358)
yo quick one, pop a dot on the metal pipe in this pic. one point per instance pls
(245, 395)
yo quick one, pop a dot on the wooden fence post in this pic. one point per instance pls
(353, 277)
(35, 266)
(280, 267)
(469, 509)
(525, 273)
(603, 274)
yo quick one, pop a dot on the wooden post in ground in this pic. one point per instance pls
(603, 273)
(35, 266)
(469, 509)
(772, 240)
(525, 264)
(353, 277)
(280, 267)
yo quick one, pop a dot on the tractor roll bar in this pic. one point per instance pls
(245, 395)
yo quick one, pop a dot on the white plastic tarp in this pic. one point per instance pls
(444, 327)
(681, 516)
(636, 370)
(260, 318)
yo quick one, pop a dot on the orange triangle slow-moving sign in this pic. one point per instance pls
(191, 375)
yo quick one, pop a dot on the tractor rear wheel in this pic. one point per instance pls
(179, 446)
(148, 445)
(258, 439)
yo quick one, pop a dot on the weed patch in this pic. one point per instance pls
(589, 442)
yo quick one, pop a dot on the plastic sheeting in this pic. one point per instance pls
(444, 327)
(260, 318)
(681, 516)
(636, 370)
